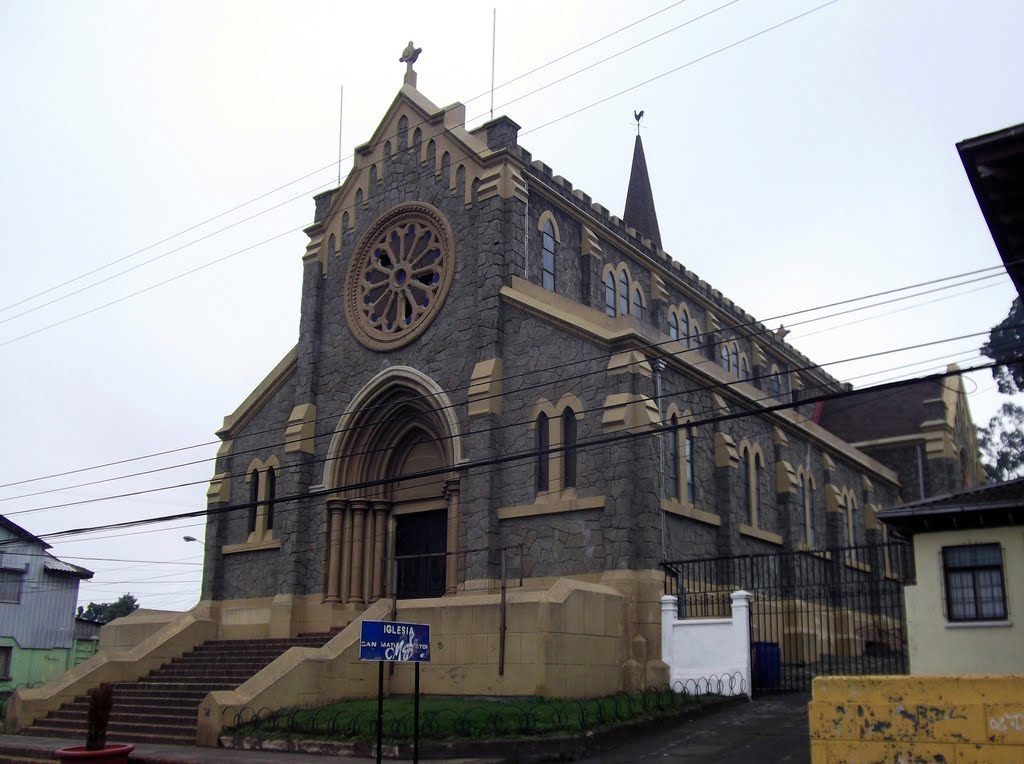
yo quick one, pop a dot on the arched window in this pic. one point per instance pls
(569, 441)
(623, 294)
(809, 521)
(850, 531)
(684, 327)
(548, 257)
(735, 358)
(543, 443)
(271, 495)
(695, 335)
(609, 293)
(331, 246)
(254, 498)
(801, 506)
(673, 325)
(755, 508)
(638, 303)
(672, 475)
(744, 368)
(725, 357)
(691, 473)
(748, 494)
(776, 382)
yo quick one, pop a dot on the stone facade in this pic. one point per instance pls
(500, 353)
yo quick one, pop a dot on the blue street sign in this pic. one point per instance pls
(392, 641)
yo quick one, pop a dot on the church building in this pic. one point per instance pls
(497, 379)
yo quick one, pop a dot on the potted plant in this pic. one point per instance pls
(96, 749)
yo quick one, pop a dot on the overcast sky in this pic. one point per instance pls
(810, 164)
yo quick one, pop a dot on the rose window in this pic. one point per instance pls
(399, 276)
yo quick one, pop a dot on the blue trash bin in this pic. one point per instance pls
(767, 669)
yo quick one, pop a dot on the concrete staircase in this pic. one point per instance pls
(162, 707)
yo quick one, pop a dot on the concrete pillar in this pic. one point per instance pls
(451, 491)
(380, 509)
(669, 610)
(336, 509)
(356, 575)
(741, 633)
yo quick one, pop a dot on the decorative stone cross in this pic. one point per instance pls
(409, 56)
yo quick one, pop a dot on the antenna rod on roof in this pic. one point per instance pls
(494, 37)
(341, 106)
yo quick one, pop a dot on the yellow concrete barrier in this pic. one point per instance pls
(917, 719)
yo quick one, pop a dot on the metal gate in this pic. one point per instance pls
(824, 612)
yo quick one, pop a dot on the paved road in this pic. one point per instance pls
(771, 729)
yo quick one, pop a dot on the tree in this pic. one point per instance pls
(1002, 443)
(1006, 340)
(105, 612)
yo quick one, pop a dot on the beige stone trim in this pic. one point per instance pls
(485, 388)
(658, 291)
(255, 546)
(547, 216)
(827, 462)
(871, 517)
(300, 433)
(590, 245)
(711, 322)
(543, 406)
(759, 358)
(225, 448)
(780, 437)
(547, 504)
(242, 415)
(938, 439)
(593, 324)
(726, 453)
(834, 500)
(718, 405)
(219, 491)
(865, 483)
(629, 362)
(760, 533)
(857, 565)
(685, 509)
(785, 478)
(629, 411)
(891, 441)
(796, 382)
(822, 553)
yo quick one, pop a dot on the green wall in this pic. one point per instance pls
(30, 668)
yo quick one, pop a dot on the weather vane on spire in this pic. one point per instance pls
(638, 115)
(409, 56)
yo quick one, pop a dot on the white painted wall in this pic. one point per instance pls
(708, 654)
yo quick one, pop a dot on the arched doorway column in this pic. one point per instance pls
(451, 493)
(336, 515)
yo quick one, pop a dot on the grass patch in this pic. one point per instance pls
(457, 718)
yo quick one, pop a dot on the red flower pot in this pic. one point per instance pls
(113, 753)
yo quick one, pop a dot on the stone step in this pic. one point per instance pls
(78, 711)
(40, 730)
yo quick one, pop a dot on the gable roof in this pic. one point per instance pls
(995, 166)
(993, 505)
(20, 532)
(876, 414)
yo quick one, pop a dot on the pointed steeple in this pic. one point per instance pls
(639, 212)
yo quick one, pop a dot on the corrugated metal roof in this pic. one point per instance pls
(59, 566)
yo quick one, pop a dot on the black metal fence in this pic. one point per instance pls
(821, 612)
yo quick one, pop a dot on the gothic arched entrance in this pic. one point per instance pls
(393, 515)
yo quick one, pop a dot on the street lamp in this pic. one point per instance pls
(193, 538)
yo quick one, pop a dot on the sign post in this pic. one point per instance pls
(384, 641)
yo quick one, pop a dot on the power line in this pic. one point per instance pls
(531, 453)
(328, 459)
(540, 127)
(511, 377)
(318, 171)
